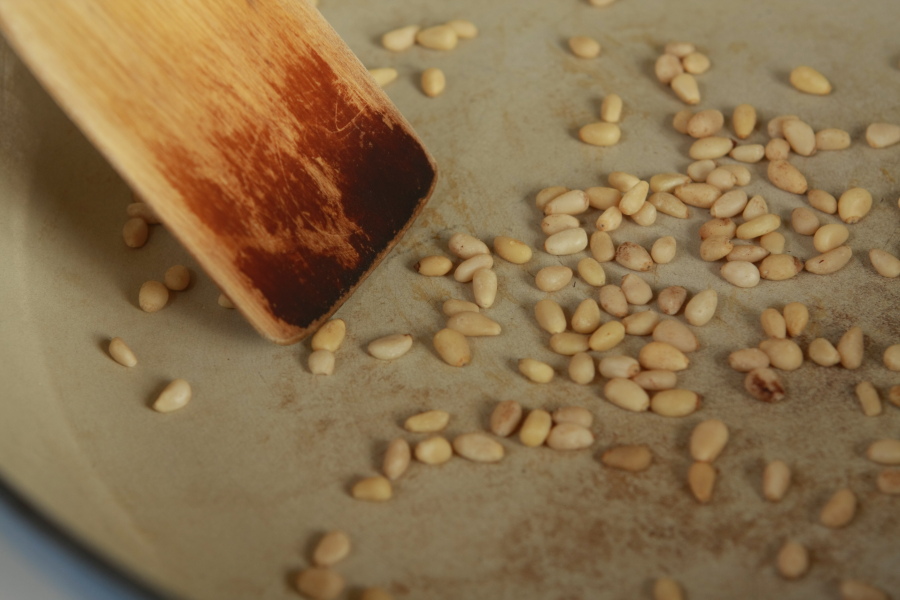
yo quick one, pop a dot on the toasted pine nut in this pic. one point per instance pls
(177, 278)
(439, 37)
(607, 336)
(583, 46)
(153, 296)
(121, 353)
(602, 198)
(319, 583)
(586, 318)
(619, 366)
(396, 459)
(747, 359)
(773, 242)
(667, 589)
(633, 200)
(663, 356)
(465, 271)
(478, 447)
(398, 40)
(839, 510)
(506, 418)
(667, 68)
(680, 120)
(375, 489)
(705, 123)
(656, 379)
(696, 63)
(547, 194)
(722, 227)
(740, 273)
(321, 362)
(783, 354)
(729, 204)
(581, 368)
(573, 202)
(633, 256)
(535, 370)
(512, 250)
(675, 403)
(552, 224)
(685, 87)
(600, 134)
(765, 385)
(708, 439)
(225, 302)
(857, 590)
(793, 560)
(710, 148)
(758, 227)
(778, 267)
(591, 271)
(676, 334)
(568, 241)
(777, 149)
(611, 109)
(663, 250)
(748, 153)
(823, 353)
(888, 482)
(552, 279)
(891, 357)
(536, 428)
(699, 195)
(384, 75)
(854, 204)
(882, 135)
(701, 308)
(829, 262)
(434, 450)
(613, 300)
(602, 247)
(796, 316)
(466, 246)
(569, 436)
(743, 119)
(434, 82)
(135, 232)
(609, 220)
(702, 480)
(885, 263)
(641, 323)
(331, 549)
(568, 343)
(776, 480)
(773, 323)
(393, 346)
(884, 452)
(830, 236)
(715, 248)
(699, 170)
(142, 210)
(453, 306)
(174, 396)
(375, 593)
(452, 347)
(484, 287)
(573, 414)
(808, 80)
(832, 139)
(804, 221)
(632, 458)
(785, 176)
(671, 299)
(626, 394)
(465, 30)
(747, 253)
(800, 136)
(550, 316)
(850, 347)
(756, 207)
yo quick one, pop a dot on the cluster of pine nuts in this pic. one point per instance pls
(136, 230)
(676, 68)
(321, 581)
(606, 131)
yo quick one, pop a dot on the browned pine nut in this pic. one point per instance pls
(505, 418)
(764, 384)
(839, 510)
(702, 480)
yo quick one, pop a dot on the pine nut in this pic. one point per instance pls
(830, 236)
(778, 267)
(331, 549)
(547, 194)
(535, 370)
(394, 346)
(319, 583)
(785, 176)
(854, 204)
(142, 210)
(884, 452)
(796, 316)
(747, 359)
(622, 181)
(453, 306)
(626, 394)
(552, 224)
(666, 182)
(715, 248)
(891, 357)
(705, 123)
(773, 242)
(434, 266)
(775, 127)
(869, 401)
(743, 119)
(663, 250)
(573, 414)
(699, 195)
(839, 510)
(536, 428)
(636, 290)
(434, 82)
(398, 40)
(773, 323)
(611, 109)
(676, 334)
(602, 198)
(583, 46)
(177, 278)
(758, 227)
(783, 354)
(667, 589)
(634, 257)
(573, 202)
(484, 287)
(680, 49)
(804, 221)
(888, 482)
(613, 300)
(552, 279)
(619, 366)
(550, 316)
(135, 232)
(710, 148)
(569, 241)
(857, 590)
(809, 81)
(225, 302)
(591, 272)
(793, 560)
(748, 153)
(702, 480)
(321, 362)
(830, 261)
(741, 174)
(586, 318)
(822, 200)
(471, 324)
(174, 396)
(646, 216)
(121, 353)
(435, 450)
(641, 323)
(439, 37)
(685, 87)
(701, 308)
(478, 447)
(696, 63)
(568, 343)
(777, 149)
(602, 247)
(600, 134)
(569, 436)
(506, 418)
(512, 250)
(669, 204)
(708, 439)
(776, 480)
(756, 207)
(375, 593)
(699, 170)
(581, 368)
(656, 379)
(374, 489)
(667, 68)
(850, 348)
(396, 459)
(430, 421)
(330, 336)
(675, 403)
(882, 135)
(465, 30)
(832, 139)
(663, 356)
(607, 336)
(765, 385)
(671, 299)
(634, 458)
(452, 347)
(153, 296)
(722, 227)
(894, 395)
(729, 204)
(885, 263)
(633, 200)
(742, 274)
(609, 220)
(465, 271)
(384, 75)
(800, 136)
(466, 246)
(823, 353)
(747, 253)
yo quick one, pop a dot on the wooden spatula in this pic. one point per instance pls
(252, 130)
